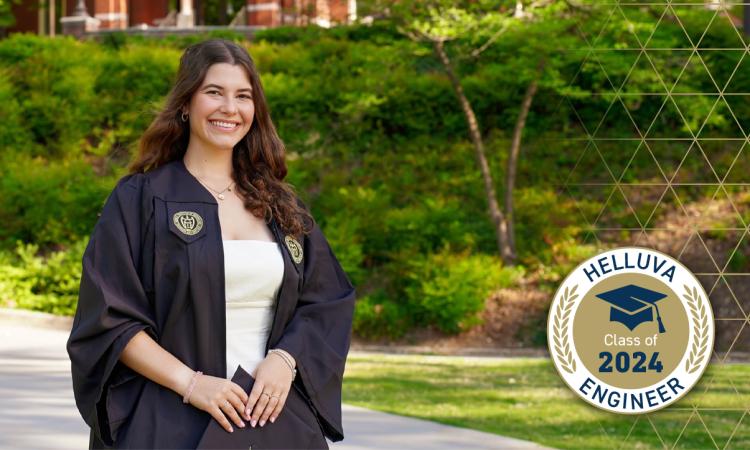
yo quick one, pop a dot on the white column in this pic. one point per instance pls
(186, 18)
(352, 11)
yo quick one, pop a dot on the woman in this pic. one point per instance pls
(203, 264)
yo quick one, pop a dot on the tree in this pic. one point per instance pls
(472, 27)
(6, 13)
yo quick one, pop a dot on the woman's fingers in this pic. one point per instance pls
(223, 399)
(231, 406)
(268, 395)
(237, 389)
(260, 406)
(279, 406)
(273, 400)
(218, 414)
(252, 400)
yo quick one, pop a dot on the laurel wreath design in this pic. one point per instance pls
(700, 329)
(560, 324)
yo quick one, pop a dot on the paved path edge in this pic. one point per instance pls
(36, 318)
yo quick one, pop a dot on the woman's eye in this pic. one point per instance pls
(246, 97)
(212, 92)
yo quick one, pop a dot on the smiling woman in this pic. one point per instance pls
(209, 294)
(222, 108)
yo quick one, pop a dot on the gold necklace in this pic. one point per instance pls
(219, 194)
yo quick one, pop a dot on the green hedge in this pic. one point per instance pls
(49, 203)
(48, 284)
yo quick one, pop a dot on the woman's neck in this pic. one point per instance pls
(210, 165)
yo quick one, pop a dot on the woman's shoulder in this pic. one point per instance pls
(148, 182)
(131, 196)
(131, 181)
(131, 187)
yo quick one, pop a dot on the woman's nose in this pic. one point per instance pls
(229, 105)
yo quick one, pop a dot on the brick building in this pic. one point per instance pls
(52, 17)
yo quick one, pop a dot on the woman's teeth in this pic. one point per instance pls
(224, 125)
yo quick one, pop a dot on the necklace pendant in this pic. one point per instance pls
(221, 196)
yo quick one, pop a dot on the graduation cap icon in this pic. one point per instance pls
(633, 305)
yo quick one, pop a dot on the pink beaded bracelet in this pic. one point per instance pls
(186, 398)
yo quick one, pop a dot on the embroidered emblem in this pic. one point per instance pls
(294, 248)
(188, 222)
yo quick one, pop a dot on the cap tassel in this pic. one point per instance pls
(658, 319)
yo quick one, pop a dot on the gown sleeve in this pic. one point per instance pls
(112, 308)
(319, 333)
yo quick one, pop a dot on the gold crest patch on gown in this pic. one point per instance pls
(294, 248)
(188, 222)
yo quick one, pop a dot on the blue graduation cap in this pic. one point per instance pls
(632, 305)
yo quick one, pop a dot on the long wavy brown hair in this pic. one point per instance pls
(258, 160)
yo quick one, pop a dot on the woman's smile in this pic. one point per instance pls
(224, 125)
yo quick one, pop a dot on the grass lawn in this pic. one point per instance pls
(526, 399)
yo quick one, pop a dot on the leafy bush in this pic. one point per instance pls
(449, 289)
(48, 284)
(13, 134)
(49, 203)
(130, 85)
(377, 315)
(53, 80)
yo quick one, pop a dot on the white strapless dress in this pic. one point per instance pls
(253, 274)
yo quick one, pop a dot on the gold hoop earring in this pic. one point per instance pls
(184, 117)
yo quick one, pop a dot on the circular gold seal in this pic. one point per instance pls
(294, 248)
(188, 222)
(630, 330)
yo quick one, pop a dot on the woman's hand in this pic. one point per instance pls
(273, 379)
(220, 398)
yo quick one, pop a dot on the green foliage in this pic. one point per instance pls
(380, 31)
(377, 315)
(49, 203)
(13, 133)
(448, 289)
(130, 86)
(118, 40)
(49, 78)
(48, 284)
(6, 14)
(444, 289)
(543, 218)
(342, 233)
(377, 144)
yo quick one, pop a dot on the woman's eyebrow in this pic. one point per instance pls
(219, 87)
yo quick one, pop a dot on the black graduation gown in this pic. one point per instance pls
(141, 272)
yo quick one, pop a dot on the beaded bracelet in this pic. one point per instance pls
(286, 357)
(193, 381)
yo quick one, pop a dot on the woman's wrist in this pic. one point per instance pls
(286, 354)
(182, 380)
(287, 358)
(191, 386)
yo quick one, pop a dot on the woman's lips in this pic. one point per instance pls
(224, 126)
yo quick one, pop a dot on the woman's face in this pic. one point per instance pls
(222, 109)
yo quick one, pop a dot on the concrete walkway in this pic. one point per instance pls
(38, 410)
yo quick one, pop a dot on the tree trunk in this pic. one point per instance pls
(497, 216)
(223, 18)
(515, 150)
